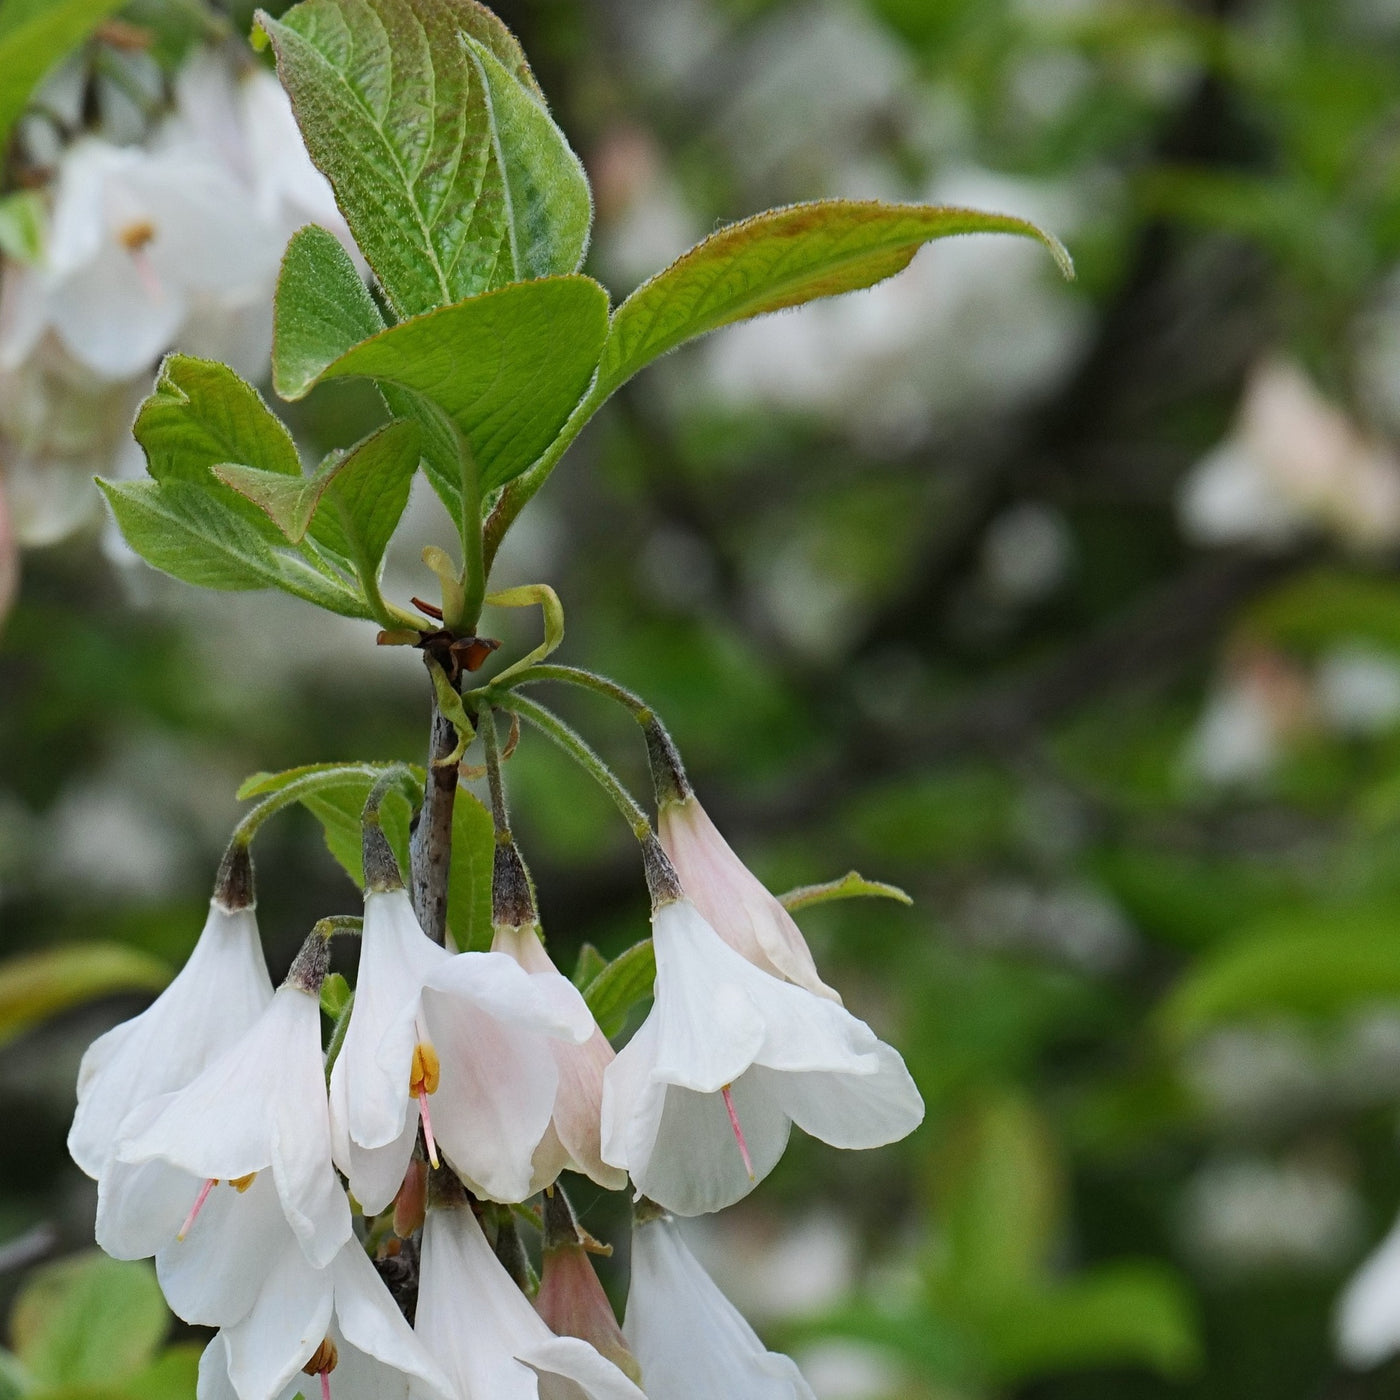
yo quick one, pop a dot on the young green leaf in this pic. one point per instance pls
(34, 986)
(351, 505)
(782, 258)
(852, 885)
(506, 367)
(395, 113)
(186, 531)
(34, 36)
(548, 206)
(621, 985)
(88, 1321)
(469, 878)
(323, 309)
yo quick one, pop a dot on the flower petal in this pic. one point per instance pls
(1368, 1320)
(288, 1322)
(214, 999)
(690, 1341)
(569, 1369)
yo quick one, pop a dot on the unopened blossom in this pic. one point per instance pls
(257, 1111)
(689, 1339)
(1368, 1316)
(698, 1105)
(464, 1039)
(572, 1139)
(137, 238)
(338, 1324)
(731, 897)
(214, 1000)
(482, 1331)
(570, 1297)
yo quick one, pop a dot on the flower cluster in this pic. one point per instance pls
(148, 232)
(350, 1212)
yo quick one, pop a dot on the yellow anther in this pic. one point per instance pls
(242, 1183)
(136, 235)
(426, 1073)
(324, 1359)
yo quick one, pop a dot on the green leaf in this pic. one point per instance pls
(590, 963)
(88, 1320)
(469, 879)
(506, 367)
(999, 1197)
(188, 532)
(34, 986)
(619, 987)
(335, 995)
(395, 113)
(1307, 962)
(852, 885)
(323, 309)
(548, 207)
(352, 505)
(34, 36)
(22, 223)
(782, 258)
(339, 809)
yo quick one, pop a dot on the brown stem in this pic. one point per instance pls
(430, 849)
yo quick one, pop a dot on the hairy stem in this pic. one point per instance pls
(430, 848)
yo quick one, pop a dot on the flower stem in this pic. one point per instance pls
(298, 788)
(578, 749)
(512, 894)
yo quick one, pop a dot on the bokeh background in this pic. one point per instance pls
(1072, 609)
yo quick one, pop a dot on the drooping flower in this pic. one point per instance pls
(482, 1331)
(339, 1324)
(465, 1038)
(572, 1139)
(732, 899)
(1368, 1315)
(690, 1340)
(570, 1298)
(215, 998)
(698, 1105)
(137, 238)
(260, 1108)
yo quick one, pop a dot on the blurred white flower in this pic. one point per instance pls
(1368, 1314)
(1293, 464)
(1262, 702)
(1358, 689)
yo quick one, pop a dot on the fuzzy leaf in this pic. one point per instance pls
(782, 258)
(548, 207)
(506, 367)
(34, 986)
(621, 985)
(469, 880)
(34, 36)
(394, 112)
(88, 1320)
(351, 505)
(323, 309)
(852, 885)
(188, 532)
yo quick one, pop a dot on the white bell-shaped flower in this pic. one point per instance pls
(137, 238)
(463, 1038)
(573, 1137)
(689, 1339)
(1368, 1315)
(698, 1105)
(218, 994)
(338, 1324)
(259, 1108)
(482, 1331)
(731, 897)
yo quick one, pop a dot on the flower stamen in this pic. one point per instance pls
(323, 1361)
(242, 1183)
(423, 1079)
(738, 1131)
(197, 1207)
